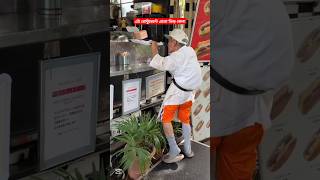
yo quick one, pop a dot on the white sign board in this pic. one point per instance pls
(69, 108)
(5, 103)
(291, 146)
(155, 85)
(131, 93)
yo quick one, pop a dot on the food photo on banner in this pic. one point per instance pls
(201, 31)
(291, 146)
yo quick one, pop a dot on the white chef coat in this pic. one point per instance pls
(232, 112)
(185, 68)
(252, 44)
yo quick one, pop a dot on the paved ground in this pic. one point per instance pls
(196, 168)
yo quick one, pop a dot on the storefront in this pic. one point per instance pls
(74, 75)
(137, 89)
(53, 87)
(69, 74)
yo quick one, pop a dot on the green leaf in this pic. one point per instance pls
(60, 173)
(102, 175)
(94, 171)
(78, 174)
(65, 174)
(36, 178)
(144, 160)
(139, 133)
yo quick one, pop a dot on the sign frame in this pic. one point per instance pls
(139, 81)
(5, 109)
(149, 78)
(93, 58)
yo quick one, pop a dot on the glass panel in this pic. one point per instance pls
(126, 8)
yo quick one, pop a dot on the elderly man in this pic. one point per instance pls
(253, 56)
(183, 65)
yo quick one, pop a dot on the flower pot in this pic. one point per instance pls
(134, 171)
(157, 156)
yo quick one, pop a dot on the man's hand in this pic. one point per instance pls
(154, 48)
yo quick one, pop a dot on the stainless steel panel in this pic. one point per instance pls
(14, 6)
(49, 7)
(8, 6)
(139, 54)
(18, 6)
(132, 69)
(18, 29)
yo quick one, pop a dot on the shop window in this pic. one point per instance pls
(187, 7)
(125, 6)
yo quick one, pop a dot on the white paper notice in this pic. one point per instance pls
(67, 113)
(5, 102)
(131, 92)
(155, 85)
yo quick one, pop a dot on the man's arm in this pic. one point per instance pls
(161, 63)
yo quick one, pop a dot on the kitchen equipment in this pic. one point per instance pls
(130, 17)
(114, 11)
(120, 37)
(123, 58)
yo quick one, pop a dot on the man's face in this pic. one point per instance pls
(172, 45)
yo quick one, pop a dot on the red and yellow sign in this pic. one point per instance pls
(200, 39)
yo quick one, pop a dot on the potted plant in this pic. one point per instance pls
(143, 138)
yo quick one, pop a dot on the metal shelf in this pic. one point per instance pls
(19, 29)
(131, 69)
(32, 169)
(143, 106)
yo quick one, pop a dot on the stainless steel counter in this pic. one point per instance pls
(131, 69)
(19, 29)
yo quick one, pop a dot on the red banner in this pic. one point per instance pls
(200, 40)
(160, 21)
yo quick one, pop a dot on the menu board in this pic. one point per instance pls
(155, 85)
(131, 94)
(200, 39)
(69, 108)
(292, 145)
(201, 108)
(5, 102)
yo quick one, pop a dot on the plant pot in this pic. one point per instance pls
(134, 171)
(157, 156)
